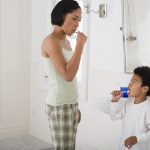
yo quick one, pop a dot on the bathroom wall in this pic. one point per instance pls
(15, 56)
(106, 38)
(40, 28)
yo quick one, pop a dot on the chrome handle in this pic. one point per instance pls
(131, 38)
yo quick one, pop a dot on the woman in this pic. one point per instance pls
(61, 65)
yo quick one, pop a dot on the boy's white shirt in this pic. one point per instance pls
(136, 121)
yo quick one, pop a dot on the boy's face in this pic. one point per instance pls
(135, 87)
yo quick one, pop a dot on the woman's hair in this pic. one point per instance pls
(61, 9)
(144, 73)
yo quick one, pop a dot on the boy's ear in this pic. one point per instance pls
(145, 89)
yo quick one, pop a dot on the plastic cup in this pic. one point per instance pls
(124, 91)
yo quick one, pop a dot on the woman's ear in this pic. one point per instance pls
(63, 17)
(145, 89)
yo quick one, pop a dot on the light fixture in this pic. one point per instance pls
(102, 11)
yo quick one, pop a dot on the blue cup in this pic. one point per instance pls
(124, 91)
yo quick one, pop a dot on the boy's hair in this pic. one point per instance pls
(61, 9)
(144, 73)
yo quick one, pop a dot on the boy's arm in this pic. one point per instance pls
(116, 110)
(130, 141)
(145, 136)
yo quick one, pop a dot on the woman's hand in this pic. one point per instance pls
(81, 38)
(79, 116)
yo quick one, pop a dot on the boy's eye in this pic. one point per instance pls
(133, 82)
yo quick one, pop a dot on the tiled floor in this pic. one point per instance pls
(30, 143)
(23, 143)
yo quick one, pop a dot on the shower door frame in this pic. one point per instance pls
(128, 66)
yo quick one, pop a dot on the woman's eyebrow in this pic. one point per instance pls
(77, 17)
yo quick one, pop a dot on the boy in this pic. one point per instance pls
(135, 111)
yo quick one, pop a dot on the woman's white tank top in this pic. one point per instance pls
(60, 91)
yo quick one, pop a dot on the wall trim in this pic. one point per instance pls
(81, 145)
(14, 130)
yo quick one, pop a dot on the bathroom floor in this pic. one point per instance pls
(29, 142)
(26, 142)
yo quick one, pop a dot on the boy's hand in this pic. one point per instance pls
(116, 95)
(129, 142)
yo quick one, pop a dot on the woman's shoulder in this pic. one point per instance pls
(51, 39)
(50, 42)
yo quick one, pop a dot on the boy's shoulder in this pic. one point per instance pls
(147, 106)
(148, 103)
(129, 101)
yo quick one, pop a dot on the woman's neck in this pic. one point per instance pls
(59, 33)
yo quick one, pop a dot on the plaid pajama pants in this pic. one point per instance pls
(63, 121)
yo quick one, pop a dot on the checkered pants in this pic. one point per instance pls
(63, 121)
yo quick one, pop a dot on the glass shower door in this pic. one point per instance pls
(136, 20)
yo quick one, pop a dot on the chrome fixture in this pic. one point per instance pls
(131, 38)
(102, 11)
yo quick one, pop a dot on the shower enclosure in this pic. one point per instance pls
(136, 33)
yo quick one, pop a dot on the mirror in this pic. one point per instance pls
(136, 33)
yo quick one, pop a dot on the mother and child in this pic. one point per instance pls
(62, 63)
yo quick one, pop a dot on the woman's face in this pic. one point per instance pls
(71, 22)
